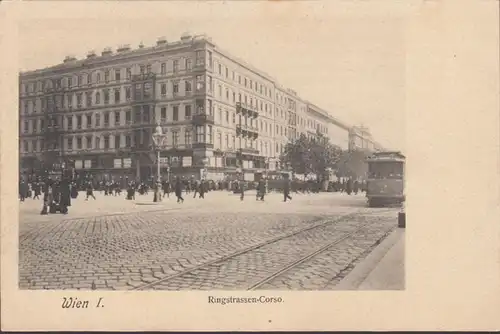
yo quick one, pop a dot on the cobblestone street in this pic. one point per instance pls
(215, 243)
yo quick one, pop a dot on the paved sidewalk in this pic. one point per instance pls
(382, 269)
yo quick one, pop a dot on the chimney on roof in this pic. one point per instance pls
(69, 59)
(161, 41)
(186, 36)
(107, 51)
(91, 54)
(123, 48)
(141, 45)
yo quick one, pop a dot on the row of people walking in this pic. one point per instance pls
(58, 193)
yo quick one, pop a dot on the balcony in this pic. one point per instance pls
(143, 77)
(202, 146)
(246, 109)
(142, 98)
(247, 130)
(248, 151)
(199, 65)
(200, 91)
(54, 129)
(200, 119)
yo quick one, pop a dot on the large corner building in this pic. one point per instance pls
(218, 113)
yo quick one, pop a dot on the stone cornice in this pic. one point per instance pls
(109, 60)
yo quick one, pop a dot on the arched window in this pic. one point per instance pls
(97, 97)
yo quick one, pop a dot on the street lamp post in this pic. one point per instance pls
(268, 161)
(159, 139)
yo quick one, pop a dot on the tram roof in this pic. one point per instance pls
(387, 156)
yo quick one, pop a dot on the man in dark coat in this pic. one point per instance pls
(131, 191)
(23, 190)
(90, 190)
(356, 187)
(348, 187)
(65, 198)
(36, 190)
(196, 187)
(178, 191)
(286, 190)
(74, 190)
(202, 189)
(261, 190)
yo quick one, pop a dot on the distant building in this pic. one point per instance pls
(218, 112)
(360, 139)
(361, 146)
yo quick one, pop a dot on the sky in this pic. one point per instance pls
(350, 64)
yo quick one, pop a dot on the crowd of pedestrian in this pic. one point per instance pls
(58, 192)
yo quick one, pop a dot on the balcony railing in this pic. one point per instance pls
(202, 145)
(137, 97)
(200, 119)
(143, 77)
(199, 64)
(248, 150)
(247, 130)
(246, 109)
(54, 128)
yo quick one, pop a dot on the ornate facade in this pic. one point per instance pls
(219, 113)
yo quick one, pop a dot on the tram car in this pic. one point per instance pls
(385, 179)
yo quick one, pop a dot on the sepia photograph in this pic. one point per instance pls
(194, 161)
(248, 165)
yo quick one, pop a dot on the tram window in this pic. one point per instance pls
(386, 170)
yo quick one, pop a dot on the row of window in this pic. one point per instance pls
(142, 115)
(242, 80)
(280, 98)
(106, 76)
(98, 97)
(116, 74)
(146, 91)
(226, 94)
(90, 142)
(229, 95)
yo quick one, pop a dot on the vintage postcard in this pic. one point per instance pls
(242, 165)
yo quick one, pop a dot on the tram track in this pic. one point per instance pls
(327, 250)
(304, 259)
(260, 247)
